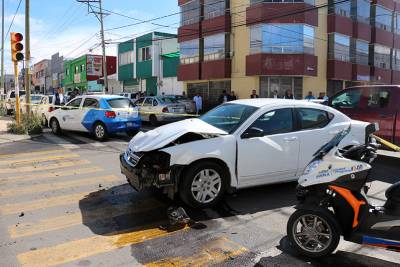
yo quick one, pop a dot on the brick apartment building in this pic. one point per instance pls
(268, 45)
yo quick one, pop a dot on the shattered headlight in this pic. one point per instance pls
(312, 166)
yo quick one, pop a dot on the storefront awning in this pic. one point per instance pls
(171, 55)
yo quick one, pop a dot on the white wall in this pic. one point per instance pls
(171, 86)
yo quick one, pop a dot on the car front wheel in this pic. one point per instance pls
(203, 184)
(100, 131)
(55, 126)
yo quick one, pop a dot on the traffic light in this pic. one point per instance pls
(16, 47)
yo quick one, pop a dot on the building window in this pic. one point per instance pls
(396, 59)
(76, 69)
(190, 12)
(381, 56)
(360, 52)
(125, 58)
(338, 47)
(145, 53)
(342, 9)
(67, 72)
(361, 10)
(214, 8)
(382, 18)
(282, 39)
(253, 2)
(82, 67)
(268, 85)
(215, 46)
(397, 23)
(189, 51)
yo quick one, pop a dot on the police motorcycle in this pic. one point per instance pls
(333, 202)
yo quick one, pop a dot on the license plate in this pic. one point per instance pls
(129, 124)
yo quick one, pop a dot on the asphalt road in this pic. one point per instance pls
(64, 202)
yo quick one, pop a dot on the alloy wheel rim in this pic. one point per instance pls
(206, 186)
(54, 126)
(99, 131)
(312, 233)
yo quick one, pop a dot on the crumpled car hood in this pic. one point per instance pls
(162, 136)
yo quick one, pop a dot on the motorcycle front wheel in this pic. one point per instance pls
(313, 233)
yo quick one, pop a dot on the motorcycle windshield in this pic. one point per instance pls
(335, 141)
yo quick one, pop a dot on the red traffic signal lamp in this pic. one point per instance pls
(16, 46)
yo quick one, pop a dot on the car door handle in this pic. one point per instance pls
(290, 139)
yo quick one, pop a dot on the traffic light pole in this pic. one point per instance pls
(27, 58)
(2, 48)
(17, 103)
(104, 49)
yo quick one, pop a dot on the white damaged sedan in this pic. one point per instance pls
(239, 144)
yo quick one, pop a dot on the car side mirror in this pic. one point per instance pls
(253, 132)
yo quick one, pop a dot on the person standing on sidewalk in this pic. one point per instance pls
(198, 102)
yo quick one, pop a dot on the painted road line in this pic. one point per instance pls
(55, 174)
(215, 252)
(57, 186)
(32, 154)
(83, 248)
(102, 212)
(39, 159)
(61, 142)
(43, 167)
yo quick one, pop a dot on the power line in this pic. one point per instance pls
(12, 21)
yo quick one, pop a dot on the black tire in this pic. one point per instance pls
(44, 122)
(9, 112)
(329, 218)
(189, 175)
(100, 131)
(55, 126)
(153, 120)
(132, 133)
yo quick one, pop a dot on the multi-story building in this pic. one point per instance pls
(280, 45)
(41, 77)
(9, 83)
(85, 73)
(57, 70)
(149, 64)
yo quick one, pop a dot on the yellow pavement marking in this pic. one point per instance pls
(100, 213)
(39, 176)
(32, 154)
(56, 186)
(78, 249)
(39, 159)
(214, 252)
(44, 167)
(43, 203)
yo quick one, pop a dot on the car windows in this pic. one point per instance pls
(155, 103)
(313, 118)
(140, 101)
(75, 103)
(347, 99)
(120, 103)
(90, 103)
(378, 98)
(275, 122)
(168, 100)
(148, 102)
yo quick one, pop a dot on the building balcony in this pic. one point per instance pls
(339, 70)
(216, 25)
(381, 75)
(340, 24)
(189, 32)
(389, 4)
(282, 13)
(361, 72)
(379, 36)
(282, 64)
(395, 77)
(189, 72)
(362, 31)
(216, 69)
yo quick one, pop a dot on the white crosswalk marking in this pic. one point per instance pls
(88, 141)
(61, 142)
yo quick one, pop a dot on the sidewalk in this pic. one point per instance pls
(7, 137)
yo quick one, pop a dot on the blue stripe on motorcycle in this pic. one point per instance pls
(379, 241)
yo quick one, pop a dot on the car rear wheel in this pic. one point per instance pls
(153, 120)
(55, 126)
(100, 131)
(203, 184)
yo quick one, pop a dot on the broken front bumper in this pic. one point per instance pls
(141, 175)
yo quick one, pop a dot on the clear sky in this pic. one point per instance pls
(65, 26)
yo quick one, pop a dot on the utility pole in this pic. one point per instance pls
(2, 48)
(100, 16)
(27, 58)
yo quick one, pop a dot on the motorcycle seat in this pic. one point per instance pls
(393, 193)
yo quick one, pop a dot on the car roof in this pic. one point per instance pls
(106, 97)
(265, 102)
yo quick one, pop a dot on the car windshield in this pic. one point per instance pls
(120, 103)
(335, 141)
(228, 117)
(35, 99)
(167, 100)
